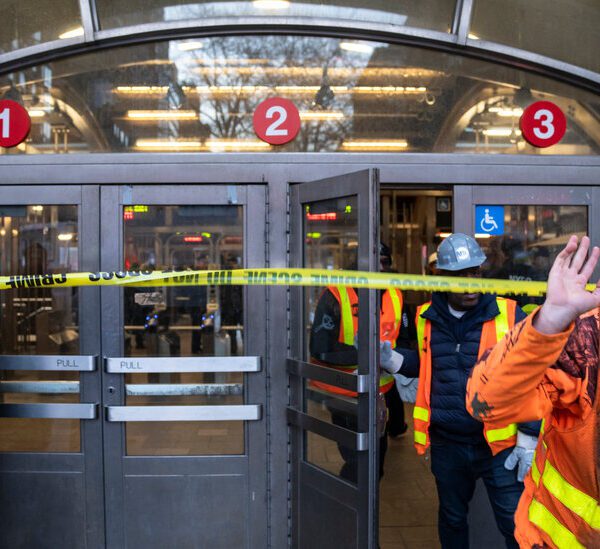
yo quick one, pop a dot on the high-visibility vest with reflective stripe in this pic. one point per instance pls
(497, 436)
(390, 321)
(562, 508)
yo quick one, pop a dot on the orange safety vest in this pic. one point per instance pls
(561, 499)
(390, 323)
(497, 436)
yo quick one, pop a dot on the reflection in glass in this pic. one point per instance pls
(330, 230)
(199, 95)
(533, 237)
(532, 25)
(429, 14)
(182, 321)
(37, 239)
(34, 22)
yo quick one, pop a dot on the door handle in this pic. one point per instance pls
(244, 412)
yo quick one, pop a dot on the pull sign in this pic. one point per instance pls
(14, 123)
(543, 124)
(276, 121)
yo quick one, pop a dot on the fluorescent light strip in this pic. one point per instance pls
(162, 115)
(215, 90)
(325, 115)
(357, 47)
(501, 132)
(196, 145)
(271, 4)
(36, 113)
(73, 33)
(367, 145)
(189, 46)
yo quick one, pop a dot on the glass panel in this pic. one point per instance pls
(533, 237)
(330, 242)
(353, 96)
(534, 25)
(37, 21)
(39, 321)
(184, 321)
(429, 14)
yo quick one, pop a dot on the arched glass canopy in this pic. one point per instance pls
(199, 95)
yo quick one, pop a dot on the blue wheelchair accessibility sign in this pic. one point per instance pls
(489, 220)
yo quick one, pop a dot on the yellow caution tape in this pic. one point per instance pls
(278, 277)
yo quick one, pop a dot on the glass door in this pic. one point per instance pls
(50, 425)
(184, 370)
(333, 400)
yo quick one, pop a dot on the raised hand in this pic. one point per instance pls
(567, 297)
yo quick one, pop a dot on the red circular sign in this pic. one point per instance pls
(543, 124)
(276, 121)
(14, 123)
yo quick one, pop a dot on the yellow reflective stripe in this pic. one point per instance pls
(385, 379)
(421, 413)
(573, 499)
(501, 319)
(562, 537)
(347, 319)
(535, 472)
(420, 438)
(396, 306)
(421, 326)
(494, 435)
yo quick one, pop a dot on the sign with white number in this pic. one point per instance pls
(276, 120)
(543, 124)
(14, 123)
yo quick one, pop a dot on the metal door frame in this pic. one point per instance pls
(88, 462)
(365, 186)
(252, 463)
(409, 170)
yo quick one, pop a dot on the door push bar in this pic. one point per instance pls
(246, 412)
(133, 365)
(57, 363)
(50, 411)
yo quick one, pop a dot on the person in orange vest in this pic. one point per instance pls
(548, 367)
(453, 330)
(332, 344)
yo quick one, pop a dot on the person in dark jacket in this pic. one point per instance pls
(453, 331)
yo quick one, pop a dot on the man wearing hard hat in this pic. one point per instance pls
(453, 330)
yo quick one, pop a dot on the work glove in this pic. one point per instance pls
(522, 454)
(389, 360)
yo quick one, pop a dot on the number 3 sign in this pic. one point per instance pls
(14, 123)
(276, 121)
(543, 124)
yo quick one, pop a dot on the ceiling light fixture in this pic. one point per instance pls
(36, 113)
(198, 145)
(162, 115)
(357, 47)
(73, 33)
(324, 115)
(500, 132)
(374, 145)
(271, 4)
(189, 46)
(65, 236)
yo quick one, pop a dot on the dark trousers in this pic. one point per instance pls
(349, 470)
(396, 424)
(456, 468)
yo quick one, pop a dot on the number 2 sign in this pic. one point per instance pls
(276, 121)
(543, 124)
(14, 123)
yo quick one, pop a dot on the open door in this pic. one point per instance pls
(334, 443)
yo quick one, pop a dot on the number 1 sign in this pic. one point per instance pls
(276, 121)
(14, 123)
(543, 124)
